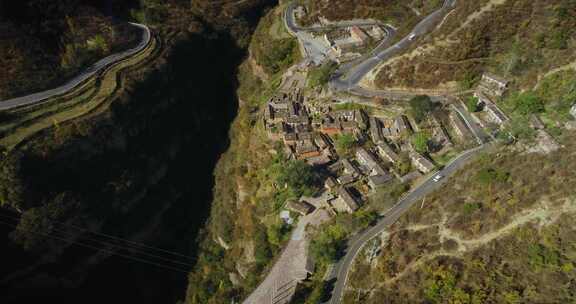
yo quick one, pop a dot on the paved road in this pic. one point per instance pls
(293, 28)
(39, 97)
(350, 79)
(357, 242)
(436, 96)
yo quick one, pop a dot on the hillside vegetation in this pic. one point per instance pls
(133, 167)
(518, 39)
(499, 231)
(43, 43)
(273, 51)
(244, 232)
(389, 11)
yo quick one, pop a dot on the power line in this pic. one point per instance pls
(140, 260)
(98, 242)
(115, 238)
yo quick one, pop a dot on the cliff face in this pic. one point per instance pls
(141, 171)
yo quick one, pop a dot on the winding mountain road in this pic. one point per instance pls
(311, 46)
(356, 243)
(38, 98)
(348, 75)
(348, 80)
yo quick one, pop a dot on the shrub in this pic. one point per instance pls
(420, 141)
(488, 176)
(528, 103)
(470, 208)
(345, 143)
(320, 76)
(472, 104)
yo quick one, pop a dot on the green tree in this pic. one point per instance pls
(468, 81)
(262, 250)
(441, 286)
(150, 12)
(420, 142)
(420, 106)
(12, 187)
(277, 233)
(329, 244)
(490, 176)
(366, 218)
(277, 55)
(36, 223)
(542, 256)
(98, 43)
(298, 176)
(404, 165)
(512, 297)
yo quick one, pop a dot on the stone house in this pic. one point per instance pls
(386, 152)
(458, 125)
(422, 163)
(300, 207)
(359, 35)
(495, 114)
(345, 202)
(493, 85)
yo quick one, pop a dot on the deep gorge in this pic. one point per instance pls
(144, 174)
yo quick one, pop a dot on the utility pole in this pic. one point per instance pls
(422, 206)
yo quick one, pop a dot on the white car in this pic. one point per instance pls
(412, 36)
(437, 178)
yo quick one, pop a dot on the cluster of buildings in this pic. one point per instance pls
(287, 119)
(349, 40)
(309, 134)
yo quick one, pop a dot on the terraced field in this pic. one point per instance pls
(91, 98)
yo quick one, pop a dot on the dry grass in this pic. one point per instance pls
(517, 244)
(488, 35)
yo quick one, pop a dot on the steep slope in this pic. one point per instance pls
(514, 38)
(140, 171)
(244, 234)
(499, 232)
(45, 42)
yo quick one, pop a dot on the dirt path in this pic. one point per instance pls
(543, 215)
(569, 66)
(291, 267)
